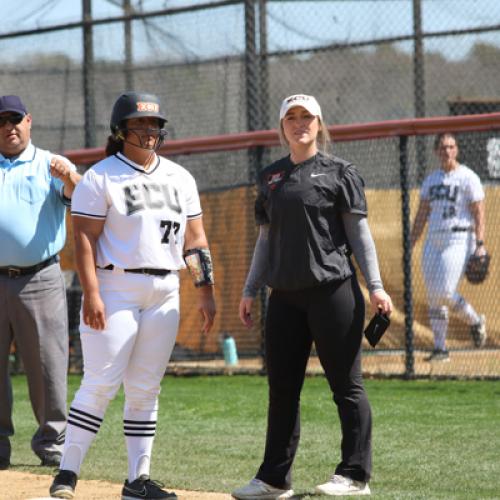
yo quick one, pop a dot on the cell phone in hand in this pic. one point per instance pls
(376, 328)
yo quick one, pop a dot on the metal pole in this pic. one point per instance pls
(263, 67)
(88, 75)
(253, 109)
(264, 156)
(127, 27)
(251, 68)
(407, 295)
(419, 85)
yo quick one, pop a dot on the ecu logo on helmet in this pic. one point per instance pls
(148, 106)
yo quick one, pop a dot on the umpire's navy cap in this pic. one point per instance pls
(13, 104)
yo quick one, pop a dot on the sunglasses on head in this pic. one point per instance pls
(14, 119)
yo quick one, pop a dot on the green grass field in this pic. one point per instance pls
(431, 439)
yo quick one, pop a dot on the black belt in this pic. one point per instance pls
(15, 272)
(457, 229)
(141, 270)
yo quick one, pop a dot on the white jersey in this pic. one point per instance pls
(145, 211)
(450, 195)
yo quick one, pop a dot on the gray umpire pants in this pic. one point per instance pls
(33, 312)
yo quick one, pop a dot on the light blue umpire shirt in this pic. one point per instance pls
(32, 209)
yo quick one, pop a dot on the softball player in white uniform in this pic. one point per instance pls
(135, 216)
(452, 202)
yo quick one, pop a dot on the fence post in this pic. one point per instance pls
(405, 217)
(263, 153)
(419, 84)
(263, 77)
(88, 74)
(254, 121)
(251, 68)
(127, 32)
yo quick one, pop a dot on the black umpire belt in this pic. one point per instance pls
(141, 270)
(15, 272)
(458, 229)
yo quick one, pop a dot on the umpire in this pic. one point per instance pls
(311, 209)
(35, 187)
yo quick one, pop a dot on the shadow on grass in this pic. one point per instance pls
(306, 494)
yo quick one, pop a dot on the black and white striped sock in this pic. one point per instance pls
(139, 427)
(83, 425)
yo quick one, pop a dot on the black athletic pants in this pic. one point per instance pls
(332, 316)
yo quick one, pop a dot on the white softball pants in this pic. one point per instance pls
(443, 263)
(142, 315)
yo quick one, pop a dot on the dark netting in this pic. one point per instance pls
(223, 67)
(230, 226)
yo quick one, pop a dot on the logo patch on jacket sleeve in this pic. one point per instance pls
(274, 179)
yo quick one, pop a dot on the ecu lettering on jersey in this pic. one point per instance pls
(443, 192)
(151, 196)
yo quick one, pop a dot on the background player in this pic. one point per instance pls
(311, 209)
(134, 216)
(452, 201)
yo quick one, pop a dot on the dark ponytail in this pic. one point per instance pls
(114, 145)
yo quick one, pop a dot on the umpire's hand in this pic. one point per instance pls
(59, 168)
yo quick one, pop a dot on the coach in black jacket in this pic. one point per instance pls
(311, 209)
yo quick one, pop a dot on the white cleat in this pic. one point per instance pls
(340, 485)
(478, 332)
(259, 490)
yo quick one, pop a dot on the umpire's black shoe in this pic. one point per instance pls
(145, 488)
(51, 459)
(64, 484)
(4, 463)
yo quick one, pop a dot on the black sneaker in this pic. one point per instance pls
(438, 355)
(64, 484)
(51, 459)
(145, 488)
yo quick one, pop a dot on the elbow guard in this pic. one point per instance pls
(199, 264)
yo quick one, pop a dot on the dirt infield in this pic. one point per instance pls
(15, 485)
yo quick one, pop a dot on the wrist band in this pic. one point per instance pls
(199, 264)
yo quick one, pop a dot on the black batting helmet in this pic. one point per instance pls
(135, 105)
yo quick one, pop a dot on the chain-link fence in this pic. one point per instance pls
(393, 178)
(224, 66)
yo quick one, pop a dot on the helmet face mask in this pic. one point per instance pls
(143, 135)
(137, 105)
